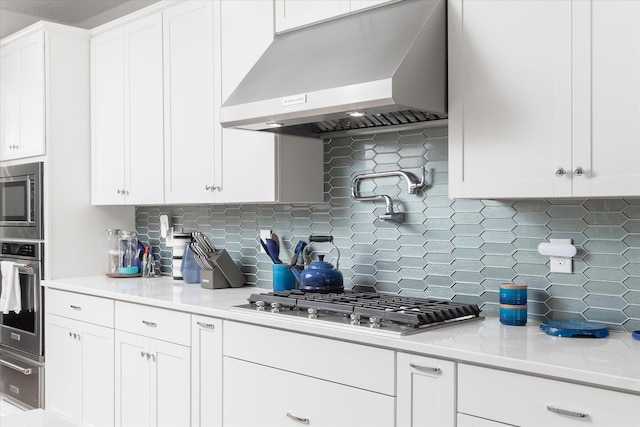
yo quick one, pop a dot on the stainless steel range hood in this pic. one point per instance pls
(388, 63)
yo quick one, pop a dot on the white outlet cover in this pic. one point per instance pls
(558, 264)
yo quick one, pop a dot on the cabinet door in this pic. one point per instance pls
(296, 13)
(509, 98)
(96, 345)
(152, 382)
(189, 103)
(144, 152)
(107, 119)
(206, 371)
(80, 367)
(426, 391)
(172, 366)
(606, 104)
(62, 384)
(246, 31)
(23, 125)
(133, 385)
(293, 399)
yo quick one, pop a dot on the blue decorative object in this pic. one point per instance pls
(574, 328)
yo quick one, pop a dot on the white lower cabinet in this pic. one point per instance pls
(469, 421)
(524, 400)
(80, 362)
(426, 391)
(206, 371)
(153, 366)
(296, 379)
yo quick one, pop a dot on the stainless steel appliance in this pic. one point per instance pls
(21, 201)
(380, 67)
(22, 334)
(384, 313)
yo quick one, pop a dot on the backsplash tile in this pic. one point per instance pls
(454, 249)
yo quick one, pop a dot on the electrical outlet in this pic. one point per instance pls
(560, 264)
(264, 235)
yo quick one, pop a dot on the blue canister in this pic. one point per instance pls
(513, 293)
(515, 315)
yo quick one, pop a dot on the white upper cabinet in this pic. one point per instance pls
(297, 13)
(191, 145)
(606, 98)
(549, 110)
(22, 96)
(260, 166)
(127, 114)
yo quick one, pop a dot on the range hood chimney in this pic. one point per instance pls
(381, 67)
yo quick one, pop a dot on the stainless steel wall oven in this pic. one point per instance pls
(21, 201)
(22, 331)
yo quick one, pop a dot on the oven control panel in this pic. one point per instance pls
(22, 250)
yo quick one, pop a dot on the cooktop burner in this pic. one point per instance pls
(403, 315)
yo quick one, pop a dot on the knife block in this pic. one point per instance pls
(212, 279)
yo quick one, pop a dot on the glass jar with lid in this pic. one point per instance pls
(129, 248)
(112, 252)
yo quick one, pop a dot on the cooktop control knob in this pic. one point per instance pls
(260, 305)
(375, 321)
(355, 318)
(313, 313)
(275, 307)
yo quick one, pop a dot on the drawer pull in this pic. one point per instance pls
(25, 371)
(76, 307)
(206, 325)
(425, 368)
(151, 324)
(298, 419)
(566, 412)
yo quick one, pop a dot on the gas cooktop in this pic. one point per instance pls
(381, 312)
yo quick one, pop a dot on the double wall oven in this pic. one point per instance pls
(22, 325)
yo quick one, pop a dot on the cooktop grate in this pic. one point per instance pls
(373, 309)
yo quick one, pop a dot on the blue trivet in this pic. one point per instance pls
(574, 328)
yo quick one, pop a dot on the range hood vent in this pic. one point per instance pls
(387, 66)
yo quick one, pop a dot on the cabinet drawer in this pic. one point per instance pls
(530, 401)
(159, 323)
(279, 398)
(85, 308)
(357, 365)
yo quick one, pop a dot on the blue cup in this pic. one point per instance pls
(515, 315)
(513, 293)
(283, 279)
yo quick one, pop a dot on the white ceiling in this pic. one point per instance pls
(17, 14)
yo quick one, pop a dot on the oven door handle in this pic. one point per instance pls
(25, 371)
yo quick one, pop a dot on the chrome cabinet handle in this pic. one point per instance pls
(560, 172)
(298, 419)
(211, 187)
(206, 325)
(151, 324)
(425, 368)
(25, 371)
(578, 171)
(76, 307)
(142, 353)
(566, 412)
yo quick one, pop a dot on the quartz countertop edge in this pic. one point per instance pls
(611, 362)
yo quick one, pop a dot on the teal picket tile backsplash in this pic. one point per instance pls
(454, 249)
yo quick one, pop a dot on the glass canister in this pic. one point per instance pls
(129, 248)
(112, 252)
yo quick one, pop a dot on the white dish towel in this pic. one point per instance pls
(11, 297)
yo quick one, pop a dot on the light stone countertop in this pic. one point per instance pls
(612, 362)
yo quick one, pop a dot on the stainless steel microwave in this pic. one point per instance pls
(21, 201)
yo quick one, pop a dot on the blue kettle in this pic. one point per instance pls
(320, 276)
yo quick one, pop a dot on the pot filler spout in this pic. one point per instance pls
(382, 67)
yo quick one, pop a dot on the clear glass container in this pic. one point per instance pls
(129, 248)
(112, 252)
